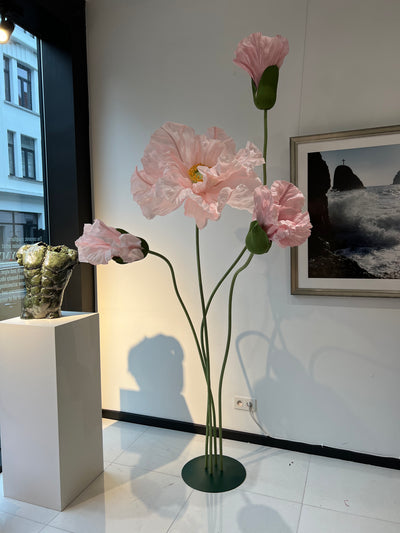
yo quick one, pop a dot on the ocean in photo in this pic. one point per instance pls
(366, 226)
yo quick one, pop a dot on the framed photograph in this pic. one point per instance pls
(351, 181)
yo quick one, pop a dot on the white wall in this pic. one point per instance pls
(324, 370)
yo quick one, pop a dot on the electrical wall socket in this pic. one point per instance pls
(243, 403)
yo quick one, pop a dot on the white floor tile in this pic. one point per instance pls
(125, 500)
(24, 510)
(50, 529)
(276, 473)
(316, 520)
(118, 436)
(236, 512)
(354, 488)
(163, 450)
(14, 524)
(141, 491)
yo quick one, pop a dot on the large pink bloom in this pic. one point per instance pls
(203, 172)
(279, 212)
(100, 243)
(257, 52)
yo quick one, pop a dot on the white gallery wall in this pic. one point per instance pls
(324, 370)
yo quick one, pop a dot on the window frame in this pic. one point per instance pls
(11, 151)
(28, 156)
(24, 101)
(7, 79)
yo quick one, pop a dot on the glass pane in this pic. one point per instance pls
(31, 164)
(24, 86)
(22, 209)
(11, 154)
(7, 86)
(27, 142)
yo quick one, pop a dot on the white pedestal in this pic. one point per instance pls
(50, 407)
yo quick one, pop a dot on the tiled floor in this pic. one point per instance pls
(141, 491)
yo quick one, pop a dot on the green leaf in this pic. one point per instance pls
(257, 241)
(264, 95)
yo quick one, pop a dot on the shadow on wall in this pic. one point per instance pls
(290, 398)
(156, 365)
(289, 393)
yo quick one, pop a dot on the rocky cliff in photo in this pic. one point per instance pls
(344, 179)
(319, 183)
(323, 262)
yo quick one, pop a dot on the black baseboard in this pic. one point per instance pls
(254, 438)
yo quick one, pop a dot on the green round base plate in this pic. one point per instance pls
(198, 477)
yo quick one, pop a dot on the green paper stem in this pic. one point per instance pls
(236, 261)
(202, 338)
(228, 342)
(211, 416)
(211, 438)
(218, 285)
(171, 268)
(265, 146)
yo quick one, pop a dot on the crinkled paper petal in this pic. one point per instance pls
(201, 211)
(289, 197)
(129, 248)
(257, 52)
(292, 232)
(165, 182)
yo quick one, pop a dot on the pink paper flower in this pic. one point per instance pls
(203, 172)
(257, 52)
(101, 243)
(279, 212)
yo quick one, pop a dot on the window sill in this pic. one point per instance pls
(26, 180)
(22, 108)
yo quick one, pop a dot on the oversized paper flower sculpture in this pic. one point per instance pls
(203, 172)
(101, 243)
(278, 212)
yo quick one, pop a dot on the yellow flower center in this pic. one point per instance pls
(194, 173)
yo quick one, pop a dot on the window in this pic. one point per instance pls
(11, 153)
(28, 157)
(59, 76)
(18, 228)
(7, 84)
(24, 86)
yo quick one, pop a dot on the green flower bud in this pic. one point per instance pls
(264, 95)
(257, 241)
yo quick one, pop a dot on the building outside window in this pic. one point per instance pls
(22, 209)
(11, 153)
(17, 227)
(24, 86)
(28, 157)
(7, 83)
